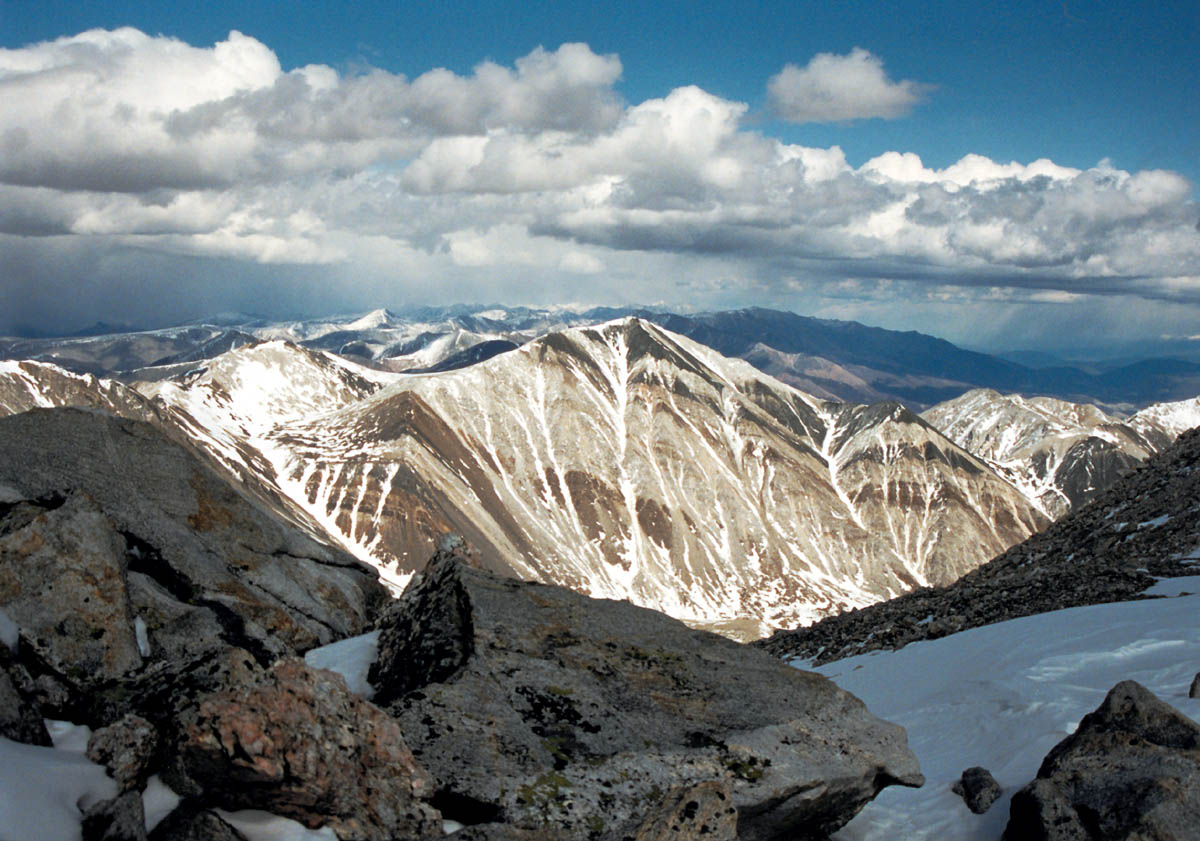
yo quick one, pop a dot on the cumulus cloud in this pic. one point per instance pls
(121, 145)
(838, 88)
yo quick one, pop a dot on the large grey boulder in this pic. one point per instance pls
(62, 580)
(1131, 770)
(536, 706)
(294, 741)
(133, 532)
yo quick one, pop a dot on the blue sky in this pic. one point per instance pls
(543, 183)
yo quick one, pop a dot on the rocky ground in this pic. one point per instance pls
(1145, 526)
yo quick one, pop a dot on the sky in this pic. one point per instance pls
(1016, 175)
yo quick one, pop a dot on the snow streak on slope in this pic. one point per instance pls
(1058, 454)
(229, 405)
(627, 462)
(1002, 695)
(28, 385)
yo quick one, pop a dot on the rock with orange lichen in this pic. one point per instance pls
(294, 741)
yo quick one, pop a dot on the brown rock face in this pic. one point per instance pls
(1130, 771)
(297, 743)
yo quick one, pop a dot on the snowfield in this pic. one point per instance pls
(1003, 695)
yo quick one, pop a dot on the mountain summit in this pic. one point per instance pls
(628, 462)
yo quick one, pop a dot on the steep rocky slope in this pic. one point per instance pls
(1059, 454)
(626, 462)
(26, 385)
(1147, 524)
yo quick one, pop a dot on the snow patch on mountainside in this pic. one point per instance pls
(1058, 454)
(1175, 418)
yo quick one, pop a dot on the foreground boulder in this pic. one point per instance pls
(294, 741)
(1130, 771)
(536, 706)
(133, 556)
(62, 580)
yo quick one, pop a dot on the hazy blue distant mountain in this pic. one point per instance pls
(834, 360)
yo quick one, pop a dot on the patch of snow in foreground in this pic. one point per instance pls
(43, 791)
(1178, 586)
(351, 658)
(1003, 695)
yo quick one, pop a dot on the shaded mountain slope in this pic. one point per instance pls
(1145, 525)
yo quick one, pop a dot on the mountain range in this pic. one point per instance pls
(837, 360)
(623, 460)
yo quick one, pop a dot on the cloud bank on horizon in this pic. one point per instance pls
(143, 170)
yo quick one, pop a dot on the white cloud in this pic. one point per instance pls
(530, 175)
(838, 88)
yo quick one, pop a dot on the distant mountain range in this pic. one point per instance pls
(837, 360)
(623, 459)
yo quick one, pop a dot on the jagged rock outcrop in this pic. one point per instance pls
(1145, 525)
(978, 789)
(533, 705)
(133, 555)
(295, 741)
(1131, 770)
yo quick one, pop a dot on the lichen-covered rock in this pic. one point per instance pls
(294, 741)
(701, 812)
(62, 580)
(978, 789)
(126, 748)
(1131, 770)
(552, 709)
